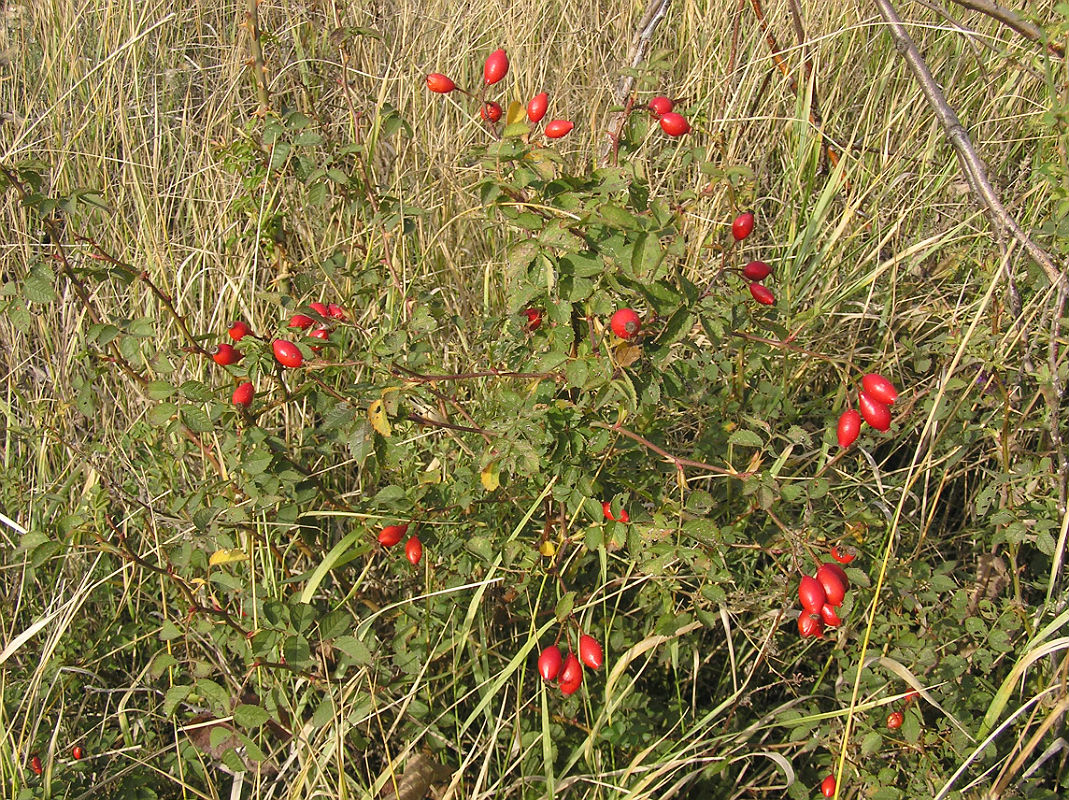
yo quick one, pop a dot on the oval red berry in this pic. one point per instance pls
(301, 321)
(809, 626)
(811, 594)
(834, 588)
(534, 318)
(320, 308)
(442, 84)
(77, 752)
(496, 67)
(549, 663)
(762, 295)
(392, 534)
(875, 413)
(829, 616)
(674, 124)
(571, 687)
(827, 786)
(879, 388)
(742, 226)
(414, 550)
(572, 671)
(558, 128)
(35, 765)
(537, 106)
(849, 427)
(226, 354)
(843, 554)
(491, 112)
(334, 311)
(756, 271)
(625, 323)
(895, 720)
(661, 105)
(590, 652)
(237, 330)
(287, 353)
(243, 394)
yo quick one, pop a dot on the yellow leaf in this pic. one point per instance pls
(226, 557)
(376, 415)
(547, 548)
(516, 113)
(627, 354)
(490, 476)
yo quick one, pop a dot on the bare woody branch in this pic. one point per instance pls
(1008, 18)
(971, 163)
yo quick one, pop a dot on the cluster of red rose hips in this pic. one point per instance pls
(494, 69)
(606, 509)
(286, 352)
(756, 271)
(77, 752)
(822, 593)
(875, 398)
(672, 122)
(568, 670)
(393, 534)
(896, 718)
(625, 322)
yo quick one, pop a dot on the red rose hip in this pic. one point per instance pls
(392, 534)
(590, 652)
(830, 577)
(287, 353)
(809, 626)
(558, 128)
(625, 323)
(439, 83)
(491, 112)
(742, 226)
(827, 786)
(534, 318)
(674, 124)
(243, 394)
(879, 388)
(536, 107)
(414, 550)
(661, 105)
(760, 293)
(756, 271)
(895, 720)
(811, 594)
(496, 67)
(875, 413)
(237, 330)
(849, 427)
(301, 321)
(843, 554)
(549, 663)
(572, 672)
(226, 354)
(829, 616)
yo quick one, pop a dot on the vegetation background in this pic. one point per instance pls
(194, 596)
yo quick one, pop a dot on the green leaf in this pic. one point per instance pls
(196, 419)
(564, 607)
(38, 288)
(249, 716)
(355, 649)
(174, 697)
(160, 415)
(159, 390)
(745, 438)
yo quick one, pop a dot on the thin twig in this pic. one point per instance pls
(1004, 15)
(677, 461)
(971, 164)
(656, 10)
